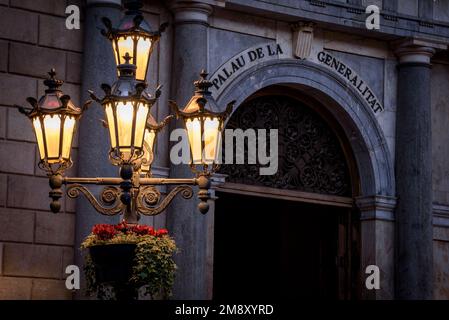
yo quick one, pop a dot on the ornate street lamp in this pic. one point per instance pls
(204, 126)
(127, 107)
(134, 37)
(132, 133)
(204, 130)
(54, 118)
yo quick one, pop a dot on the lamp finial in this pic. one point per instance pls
(202, 85)
(52, 83)
(127, 58)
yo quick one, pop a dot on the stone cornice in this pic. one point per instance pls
(117, 2)
(413, 50)
(377, 202)
(192, 11)
(441, 210)
(441, 215)
(104, 3)
(341, 16)
(376, 207)
(217, 180)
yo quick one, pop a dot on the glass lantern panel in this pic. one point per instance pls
(148, 148)
(69, 128)
(194, 133)
(141, 120)
(111, 124)
(116, 54)
(125, 44)
(219, 156)
(124, 124)
(52, 127)
(211, 139)
(143, 57)
(51, 102)
(39, 137)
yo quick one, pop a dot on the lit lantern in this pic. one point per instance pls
(127, 106)
(133, 37)
(54, 118)
(151, 131)
(204, 126)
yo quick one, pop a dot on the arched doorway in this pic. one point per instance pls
(294, 234)
(376, 201)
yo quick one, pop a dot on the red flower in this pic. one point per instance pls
(161, 232)
(122, 227)
(104, 231)
(142, 230)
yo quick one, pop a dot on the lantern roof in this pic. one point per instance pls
(54, 100)
(126, 86)
(202, 102)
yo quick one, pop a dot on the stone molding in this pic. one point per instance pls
(104, 3)
(191, 11)
(218, 179)
(376, 207)
(416, 50)
(441, 215)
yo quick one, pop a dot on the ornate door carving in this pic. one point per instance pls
(311, 158)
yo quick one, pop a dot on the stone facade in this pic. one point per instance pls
(35, 245)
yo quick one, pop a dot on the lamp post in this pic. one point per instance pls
(132, 131)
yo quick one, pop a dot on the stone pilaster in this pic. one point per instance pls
(98, 68)
(377, 244)
(189, 227)
(414, 272)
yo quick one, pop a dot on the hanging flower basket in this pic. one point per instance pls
(113, 262)
(123, 258)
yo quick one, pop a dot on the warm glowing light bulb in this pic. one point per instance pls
(124, 123)
(69, 128)
(194, 133)
(141, 120)
(143, 52)
(210, 139)
(52, 127)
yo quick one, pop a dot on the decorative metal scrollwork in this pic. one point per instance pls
(310, 159)
(110, 199)
(55, 168)
(149, 196)
(110, 195)
(148, 199)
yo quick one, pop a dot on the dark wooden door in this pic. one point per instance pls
(268, 248)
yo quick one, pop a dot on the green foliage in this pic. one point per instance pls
(154, 267)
